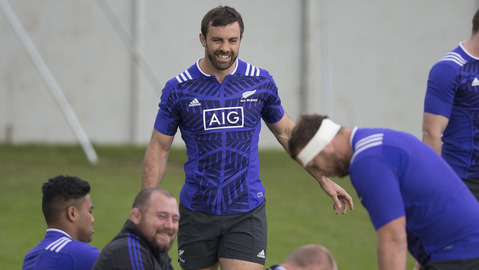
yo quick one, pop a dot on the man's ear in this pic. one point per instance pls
(135, 215)
(202, 40)
(72, 213)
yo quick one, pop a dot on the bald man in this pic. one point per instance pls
(309, 257)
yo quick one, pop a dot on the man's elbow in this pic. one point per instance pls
(431, 136)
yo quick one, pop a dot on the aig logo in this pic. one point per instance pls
(231, 117)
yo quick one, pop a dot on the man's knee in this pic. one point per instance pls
(232, 264)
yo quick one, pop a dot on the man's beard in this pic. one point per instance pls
(341, 168)
(221, 65)
(162, 247)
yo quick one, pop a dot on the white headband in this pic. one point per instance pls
(323, 136)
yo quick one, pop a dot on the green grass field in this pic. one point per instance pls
(298, 211)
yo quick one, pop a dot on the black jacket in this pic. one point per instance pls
(130, 250)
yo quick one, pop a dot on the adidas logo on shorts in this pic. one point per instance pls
(261, 254)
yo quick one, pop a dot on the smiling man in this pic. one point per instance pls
(414, 198)
(146, 237)
(218, 104)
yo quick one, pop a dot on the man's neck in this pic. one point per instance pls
(207, 67)
(348, 150)
(471, 45)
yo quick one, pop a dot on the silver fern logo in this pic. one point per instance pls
(246, 95)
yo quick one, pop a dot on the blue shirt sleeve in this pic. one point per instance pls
(273, 110)
(440, 90)
(167, 119)
(378, 189)
(82, 256)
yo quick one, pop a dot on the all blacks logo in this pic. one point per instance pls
(230, 117)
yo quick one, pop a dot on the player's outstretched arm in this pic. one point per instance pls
(282, 131)
(156, 157)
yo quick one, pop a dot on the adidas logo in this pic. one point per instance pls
(261, 254)
(58, 244)
(475, 82)
(194, 103)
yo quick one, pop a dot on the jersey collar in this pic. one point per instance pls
(208, 75)
(58, 231)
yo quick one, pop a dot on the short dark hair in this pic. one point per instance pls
(58, 191)
(303, 131)
(475, 22)
(143, 197)
(221, 16)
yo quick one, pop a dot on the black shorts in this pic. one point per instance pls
(473, 186)
(203, 238)
(466, 264)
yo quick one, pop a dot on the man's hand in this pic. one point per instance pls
(341, 199)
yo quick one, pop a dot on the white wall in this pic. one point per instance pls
(381, 52)
(382, 57)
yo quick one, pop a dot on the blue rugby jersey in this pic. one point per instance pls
(395, 175)
(220, 124)
(58, 251)
(453, 92)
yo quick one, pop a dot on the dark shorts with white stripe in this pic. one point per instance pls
(203, 238)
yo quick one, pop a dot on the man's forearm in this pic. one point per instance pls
(154, 167)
